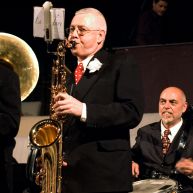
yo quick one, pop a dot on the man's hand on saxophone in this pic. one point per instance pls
(66, 104)
(64, 163)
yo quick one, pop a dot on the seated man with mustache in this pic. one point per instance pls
(153, 158)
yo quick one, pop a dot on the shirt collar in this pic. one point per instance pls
(173, 130)
(85, 62)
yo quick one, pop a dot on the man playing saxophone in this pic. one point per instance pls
(105, 103)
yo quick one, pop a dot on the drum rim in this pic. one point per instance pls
(171, 182)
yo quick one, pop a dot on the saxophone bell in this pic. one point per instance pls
(44, 166)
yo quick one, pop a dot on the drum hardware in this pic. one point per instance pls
(155, 186)
(158, 175)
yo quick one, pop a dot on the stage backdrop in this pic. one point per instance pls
(163, 66)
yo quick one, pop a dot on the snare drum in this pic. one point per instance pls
(155, 186)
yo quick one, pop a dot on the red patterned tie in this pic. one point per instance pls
(166, 141)
(78, 72)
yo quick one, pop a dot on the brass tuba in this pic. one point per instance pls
(19, 55)
(44, 166)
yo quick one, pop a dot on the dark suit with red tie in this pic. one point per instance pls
(98, 150)
(147, 152)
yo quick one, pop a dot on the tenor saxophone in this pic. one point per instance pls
(44, 165)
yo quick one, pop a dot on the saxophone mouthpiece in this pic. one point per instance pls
(69, 44)
(72, 44)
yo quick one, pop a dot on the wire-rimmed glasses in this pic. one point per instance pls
(81, 30)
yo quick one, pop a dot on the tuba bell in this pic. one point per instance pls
(19, 55)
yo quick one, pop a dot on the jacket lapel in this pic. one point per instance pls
(89, 79)
(157, 138)
(175, 143)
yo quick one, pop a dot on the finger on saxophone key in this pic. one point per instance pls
(64, 163)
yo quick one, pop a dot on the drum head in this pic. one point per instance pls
(154, 186)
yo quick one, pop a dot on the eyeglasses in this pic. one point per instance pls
(81, 30)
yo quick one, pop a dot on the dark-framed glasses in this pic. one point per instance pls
(81, 30)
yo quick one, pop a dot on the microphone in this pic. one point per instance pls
(47, 21)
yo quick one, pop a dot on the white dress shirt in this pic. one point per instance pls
(173, 130)
(84, 110)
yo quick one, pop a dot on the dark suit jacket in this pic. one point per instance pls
(147, 151)
(10, 111)
(98, 151)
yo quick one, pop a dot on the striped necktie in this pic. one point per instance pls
(165, 141)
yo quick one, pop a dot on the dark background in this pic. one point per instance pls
(17, 18)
